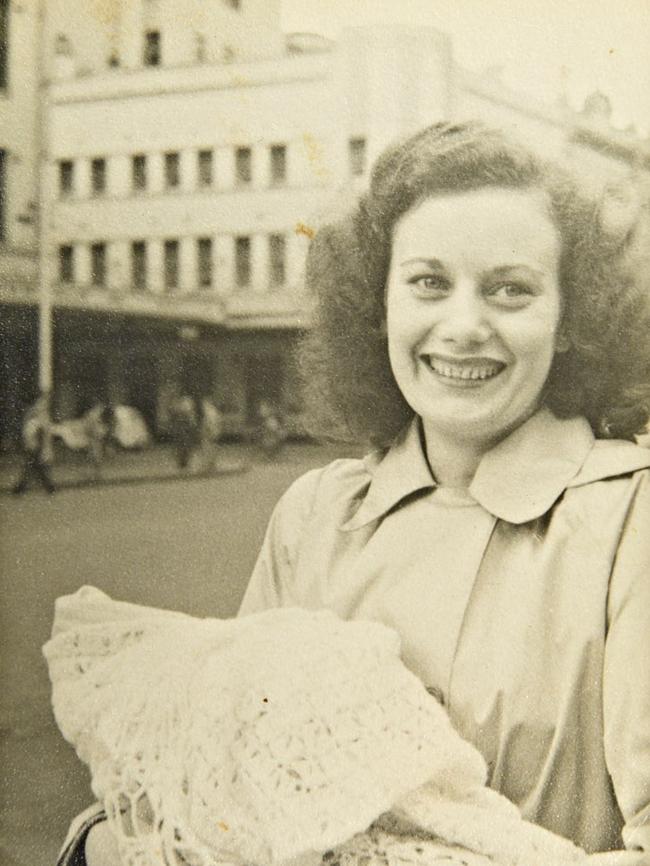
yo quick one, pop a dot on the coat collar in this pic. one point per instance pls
(517, 481)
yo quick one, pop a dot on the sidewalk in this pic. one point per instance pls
(156, 463)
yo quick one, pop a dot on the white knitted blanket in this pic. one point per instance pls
(286, 734)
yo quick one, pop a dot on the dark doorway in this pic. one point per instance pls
(18, 370)
(264, 380)
(89, 383)
(197, 374)
(142, 387)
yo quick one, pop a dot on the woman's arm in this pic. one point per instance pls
(626, 698)
(272, 582)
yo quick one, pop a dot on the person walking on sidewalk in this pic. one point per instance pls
(37, 446)
(185, 429)
(99, 423)
(210, 423)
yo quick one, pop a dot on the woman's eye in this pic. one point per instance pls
(429, 284)
(511, 293)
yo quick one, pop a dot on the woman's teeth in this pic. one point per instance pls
(465, 370)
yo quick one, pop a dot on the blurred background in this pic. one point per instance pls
(163, 167)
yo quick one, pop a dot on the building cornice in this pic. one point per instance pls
(497, 92)
(161, 81)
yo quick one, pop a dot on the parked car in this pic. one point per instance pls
(126, 428)
(130, 429)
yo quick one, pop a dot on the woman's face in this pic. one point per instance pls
(472, 310)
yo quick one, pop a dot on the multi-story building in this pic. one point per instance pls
(20, 28)
(190, 151)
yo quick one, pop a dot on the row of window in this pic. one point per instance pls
(277, 154)
(172, 170)
(140, 271)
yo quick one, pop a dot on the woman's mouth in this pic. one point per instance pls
(466, 370)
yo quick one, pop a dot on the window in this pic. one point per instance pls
(172, 170)
(205, 167)
(243, 165)
(278, 164)
(139, 265)
(357, 152)
(66, 177)
(242, 262)
(204, 261)
(277, 257)
(98, 264)
(4, 43)
(98, 176)
(3, 193)
(66, 264)
(151, 52)
(170, 263)
(139, 171)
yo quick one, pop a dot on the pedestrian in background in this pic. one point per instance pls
(210, 423)
(271, 433)
(99, 423)
(184, 429)
(37, 446)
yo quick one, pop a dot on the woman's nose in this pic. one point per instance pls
(463, 318)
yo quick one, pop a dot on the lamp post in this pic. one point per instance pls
(45, 378)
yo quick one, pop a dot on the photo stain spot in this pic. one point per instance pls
(315, 155)
(307, 231)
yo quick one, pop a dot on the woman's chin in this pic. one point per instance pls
(474, 425)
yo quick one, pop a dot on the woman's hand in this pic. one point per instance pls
(101, 847)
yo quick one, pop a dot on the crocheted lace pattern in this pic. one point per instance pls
(286, 734)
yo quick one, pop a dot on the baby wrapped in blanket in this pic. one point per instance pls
(282, 736)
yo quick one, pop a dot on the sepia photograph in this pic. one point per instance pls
(325, 432)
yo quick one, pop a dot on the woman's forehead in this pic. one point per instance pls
(492, 222)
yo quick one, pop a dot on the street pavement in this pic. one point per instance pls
(142, 533)
(74, 469)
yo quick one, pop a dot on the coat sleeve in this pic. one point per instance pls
(273, 583)
(627, 672)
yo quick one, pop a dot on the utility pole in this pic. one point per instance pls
(45, 378)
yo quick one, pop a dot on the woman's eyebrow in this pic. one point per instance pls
(421, 260)
(520, 267)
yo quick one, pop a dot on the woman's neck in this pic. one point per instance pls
(453, 461)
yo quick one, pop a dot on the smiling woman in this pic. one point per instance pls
(471, 314)
(479, 323)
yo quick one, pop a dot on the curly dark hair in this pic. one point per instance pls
(350, 389)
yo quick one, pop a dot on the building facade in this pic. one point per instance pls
(190, 151)
(20, 71)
